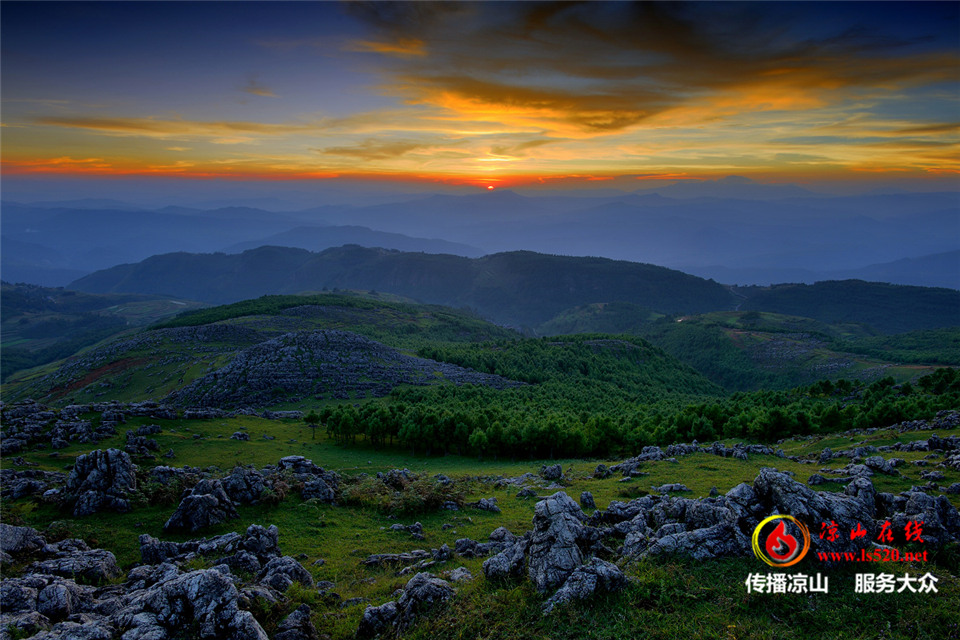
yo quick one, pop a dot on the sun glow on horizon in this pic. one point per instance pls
(405, 101)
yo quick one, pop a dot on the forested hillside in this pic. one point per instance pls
(522, 288)
(518, 288)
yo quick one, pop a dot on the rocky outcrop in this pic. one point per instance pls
(297, 626)
(28, 482)
(244, 485)
(596, 575)
(204, 601)
(205, 505)
(158, 600)
(74, 559)
(102, 480)
(558, 533)
(318, 484)
(331, 363)
(423, 593)
(20, 540)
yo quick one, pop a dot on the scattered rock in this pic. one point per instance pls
(552, 472)
(297, 626)
(486, 504)
(280, 573)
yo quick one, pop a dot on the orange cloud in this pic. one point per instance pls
(156, 128)
(402, 47)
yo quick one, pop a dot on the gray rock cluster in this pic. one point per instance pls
(632, 467)
(101, 480)
(59, 597)
(317, 484)
(555, 554)
(423, 593)
(27, 482)
(205, 505)
(30, 424)
(140, 445)
(722, 525)
(396, 479)
(308, 364)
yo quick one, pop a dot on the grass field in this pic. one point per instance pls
(667, 597)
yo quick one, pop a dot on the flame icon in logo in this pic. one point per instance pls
(776, 541)
(782, 548)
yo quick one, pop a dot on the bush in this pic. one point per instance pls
(421, 495)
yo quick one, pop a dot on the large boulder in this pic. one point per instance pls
(74, 559)
(421, 594)
(20, 540)
(297, 626)
(596, 575)
(280, 573)
(102, 480)
(557, 530)
(782, 494)
(204, 602)
(244, 485)
(207, 504)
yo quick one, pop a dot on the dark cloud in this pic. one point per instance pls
(603, 67)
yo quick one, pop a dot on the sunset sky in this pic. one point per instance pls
(497, 94)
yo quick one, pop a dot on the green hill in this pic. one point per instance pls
(167, 357)
(519, 288)
(748, 350)
(886, 307)
(43, 324)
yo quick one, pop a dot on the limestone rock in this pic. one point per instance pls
(204, 601)
(554, 551)
(297, 626)
(509, 563)
(552, 472)
(376, 620)
(20, 540)
(244, 485)
(207, 504)
(102, 480)
(421, 594)
(596, 575)
(282, 572)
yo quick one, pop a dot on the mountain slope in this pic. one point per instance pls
(888, 308)
(519, 288)
(40, 324)
(319, 238)
(155, 362)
